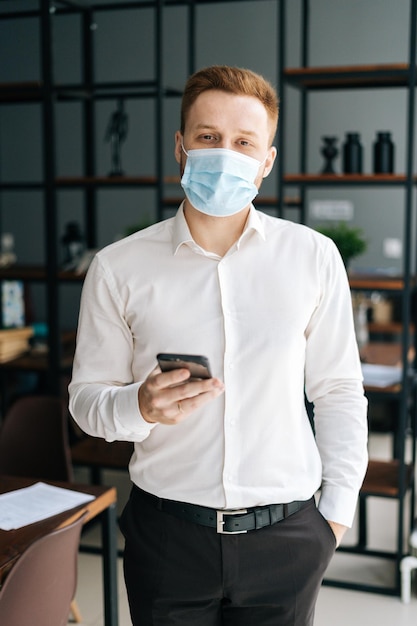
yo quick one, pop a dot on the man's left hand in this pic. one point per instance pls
(338, 531)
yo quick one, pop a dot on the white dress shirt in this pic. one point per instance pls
(274, 317)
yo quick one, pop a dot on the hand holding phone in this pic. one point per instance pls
(168, 403)
(197, 364)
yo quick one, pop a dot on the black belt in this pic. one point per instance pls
(225, 521)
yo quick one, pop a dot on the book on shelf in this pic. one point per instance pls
(14, 342)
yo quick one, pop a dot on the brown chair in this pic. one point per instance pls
(34, 439)
(41, 584)
(34, 443)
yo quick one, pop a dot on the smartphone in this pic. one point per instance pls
(198, 365)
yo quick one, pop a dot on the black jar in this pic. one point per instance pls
(352, 154)
(383, 153)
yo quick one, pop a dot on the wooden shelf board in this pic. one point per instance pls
(76, 181)
(33, 361)
(14, 91)
(341, 77)
(23, 272)
(35, 272)
(392, 390)
(377, 282)
(347, 179)
(383, 478)
(388, 328)
(384, 353)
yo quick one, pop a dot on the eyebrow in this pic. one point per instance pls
(242, 131)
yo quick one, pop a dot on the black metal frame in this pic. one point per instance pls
(356, 78)
(90, 91)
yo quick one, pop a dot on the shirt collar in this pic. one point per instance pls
(181, 233)
(254, 223)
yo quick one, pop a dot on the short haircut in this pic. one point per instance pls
(234, 80)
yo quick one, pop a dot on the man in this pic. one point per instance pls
(221, 526)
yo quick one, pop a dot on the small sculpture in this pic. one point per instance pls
(73, 243)
(330, 152)
(116, 133)
(7, 252)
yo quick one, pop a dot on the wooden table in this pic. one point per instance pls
(14, 542)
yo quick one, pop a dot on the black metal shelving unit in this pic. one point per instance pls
(395, 478)
(392, 480)
(47, 92)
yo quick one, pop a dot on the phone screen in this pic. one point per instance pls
(197, 364)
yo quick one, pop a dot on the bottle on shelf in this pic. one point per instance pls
(383, 153)
(360, 318)
(352, 154)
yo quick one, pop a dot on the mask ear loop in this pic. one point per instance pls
(183, 149)
(260, 165)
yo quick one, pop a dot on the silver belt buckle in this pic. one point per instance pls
(220, 522)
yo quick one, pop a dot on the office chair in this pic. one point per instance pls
(40, 586)
(34, 439)
(34, 444)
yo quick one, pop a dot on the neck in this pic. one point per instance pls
(215, 234)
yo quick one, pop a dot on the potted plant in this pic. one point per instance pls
(349, 240)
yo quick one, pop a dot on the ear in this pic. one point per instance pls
(178, 146)
(270, 160)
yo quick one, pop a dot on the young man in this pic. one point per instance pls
(221, 526)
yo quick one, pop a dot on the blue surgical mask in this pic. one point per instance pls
(218, 181)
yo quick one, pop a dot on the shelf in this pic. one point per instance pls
(383, 479)
(34, 91)
(16, 92)
(388, 478)
(384, 353)
(388, 328)
(378, 282)
(35, 361)
(346, 179)
(112, 181)
(349, 77)
(35, 273)
(105, 181)
(22, 186)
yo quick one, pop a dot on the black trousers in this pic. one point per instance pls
(183, 574)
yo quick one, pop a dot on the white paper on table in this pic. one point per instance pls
(381, 375)
(39, 501)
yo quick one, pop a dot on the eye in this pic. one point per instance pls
(207, 137)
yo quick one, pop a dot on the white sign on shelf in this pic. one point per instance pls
(341, 210)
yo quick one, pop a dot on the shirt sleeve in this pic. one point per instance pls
(103, 398)
(334, 385)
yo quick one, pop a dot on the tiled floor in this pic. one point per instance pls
(335, 607)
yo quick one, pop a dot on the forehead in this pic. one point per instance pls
(219, 109)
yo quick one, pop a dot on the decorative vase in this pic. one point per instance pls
(330, 152)
(383, 153)
(352, 154)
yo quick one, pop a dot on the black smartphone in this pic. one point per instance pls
(198, 365)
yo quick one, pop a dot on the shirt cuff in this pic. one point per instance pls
(338, 505)
(128, 415)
